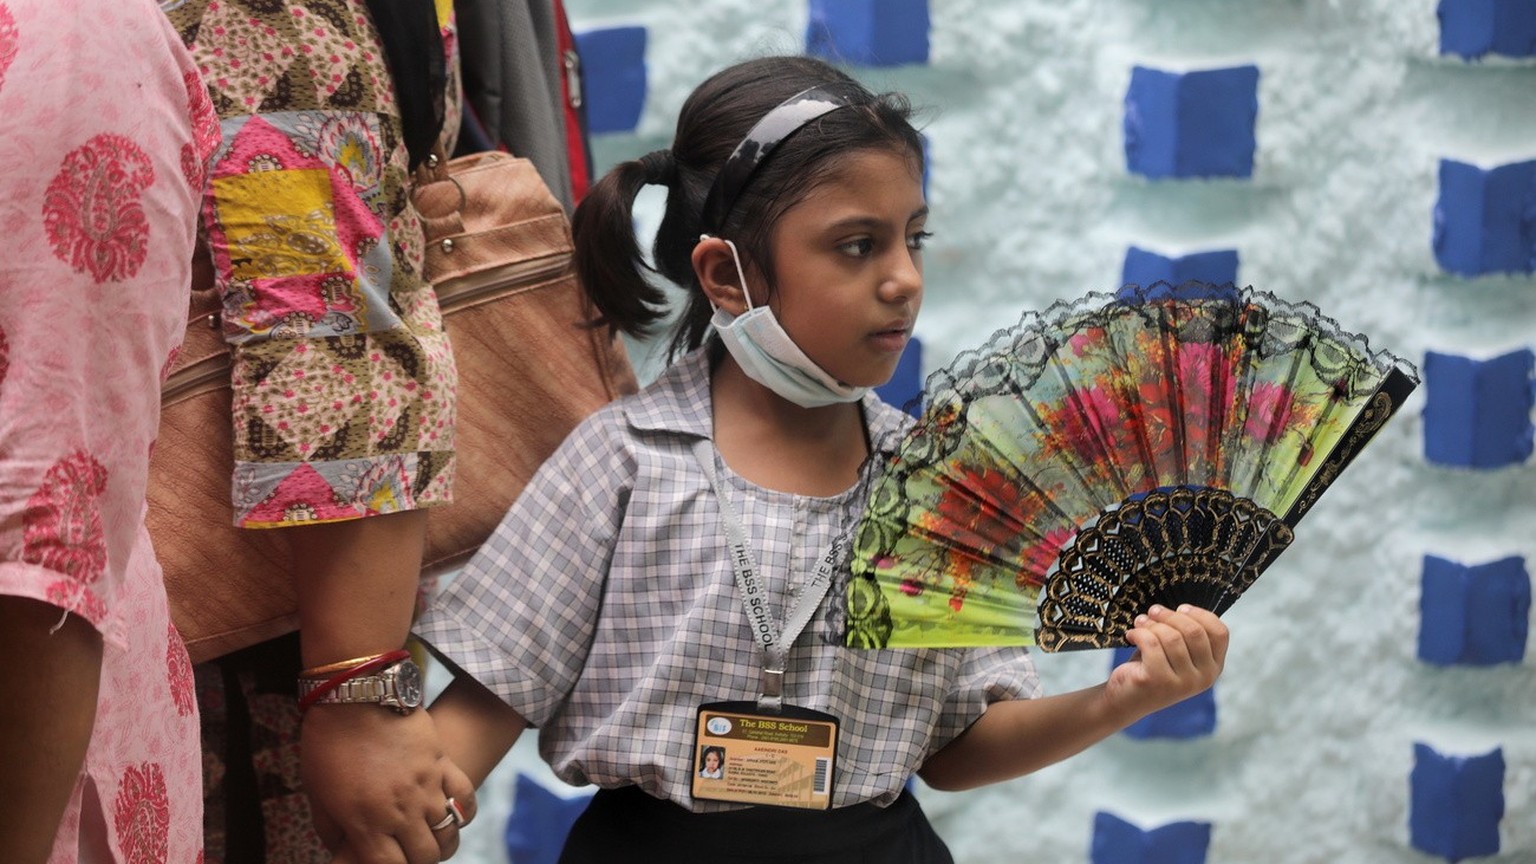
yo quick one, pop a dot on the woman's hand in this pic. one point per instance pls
(378, 781)
(1178, 653)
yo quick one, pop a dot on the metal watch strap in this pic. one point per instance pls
(383, 688)
(364, 688)
(368, 688)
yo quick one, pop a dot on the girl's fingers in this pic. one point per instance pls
(1204, 631)
(1153, 659)
(1170, 639)
(1201, 639)
(1216, 632)
(1192, 633)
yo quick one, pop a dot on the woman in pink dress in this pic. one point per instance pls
(107, 130)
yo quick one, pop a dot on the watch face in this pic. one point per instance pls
(408, 684)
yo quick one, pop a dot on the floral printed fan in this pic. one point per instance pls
(1154, 446)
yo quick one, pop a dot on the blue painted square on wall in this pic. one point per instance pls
(613, 77)
(1485, 219)
(905, 389)
(1477, 414)
(540, 821)
(1144, 267)
(1117, 841)
(1474, 615)
(1191, 124)
(1456, 803)
(1474, 28)
(868, 32)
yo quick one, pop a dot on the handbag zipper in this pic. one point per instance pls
(572, 63)
(496, 282)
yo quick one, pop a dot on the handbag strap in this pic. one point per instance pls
(439, 199)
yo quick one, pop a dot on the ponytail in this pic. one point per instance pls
(608, 260)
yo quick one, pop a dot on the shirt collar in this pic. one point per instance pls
(678, 400)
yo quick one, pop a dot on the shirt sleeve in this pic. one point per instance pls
(987, 675)
(343, 379)
(521, 616)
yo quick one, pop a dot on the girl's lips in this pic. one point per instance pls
(894, 339)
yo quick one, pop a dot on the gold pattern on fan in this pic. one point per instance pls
(1183, 545)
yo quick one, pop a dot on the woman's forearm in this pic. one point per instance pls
(356, 582)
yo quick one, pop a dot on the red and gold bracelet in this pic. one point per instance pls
(347, 673)
(330, 669)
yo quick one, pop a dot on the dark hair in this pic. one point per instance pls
(714, 119)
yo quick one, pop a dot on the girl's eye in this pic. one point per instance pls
(917, 241)
(858, 248)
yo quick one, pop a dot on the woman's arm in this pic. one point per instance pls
(50, 681)
(356, 583)
(376, 779)
(1179, 653)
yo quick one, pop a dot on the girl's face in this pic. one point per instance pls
(712, 761)
(849, 264)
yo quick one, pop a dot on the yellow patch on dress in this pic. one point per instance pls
(279, 223)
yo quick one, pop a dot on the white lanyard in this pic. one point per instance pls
(773, 644)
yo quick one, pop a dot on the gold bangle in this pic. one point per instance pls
(339, 666)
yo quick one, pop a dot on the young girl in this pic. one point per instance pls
(620, 606)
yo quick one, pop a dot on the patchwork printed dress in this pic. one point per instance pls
(344, 382)
(344, 385)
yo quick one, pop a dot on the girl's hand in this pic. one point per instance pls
(1178, 653)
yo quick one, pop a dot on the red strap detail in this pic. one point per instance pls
(575, 128)
(345, 675)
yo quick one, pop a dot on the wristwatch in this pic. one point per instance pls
(397, 687)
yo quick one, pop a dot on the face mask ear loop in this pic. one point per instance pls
(736, 259)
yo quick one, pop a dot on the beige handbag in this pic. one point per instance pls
(530, 368)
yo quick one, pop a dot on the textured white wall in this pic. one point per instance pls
(1323, 697)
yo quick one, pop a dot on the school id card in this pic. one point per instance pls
(752, 757)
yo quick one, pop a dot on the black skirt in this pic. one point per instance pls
(628, 825)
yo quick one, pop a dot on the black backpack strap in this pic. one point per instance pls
(413, 48)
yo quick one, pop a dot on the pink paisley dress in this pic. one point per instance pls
(106, 133)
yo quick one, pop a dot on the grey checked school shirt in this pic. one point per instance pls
(604, 609)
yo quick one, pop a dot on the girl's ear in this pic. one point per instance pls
(718, 275)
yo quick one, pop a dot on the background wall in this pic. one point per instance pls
(1324, 696)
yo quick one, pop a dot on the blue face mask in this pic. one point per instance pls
(768, 356)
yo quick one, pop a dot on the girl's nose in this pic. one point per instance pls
(904, 281)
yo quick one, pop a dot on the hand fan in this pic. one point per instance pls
(1158, 445)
